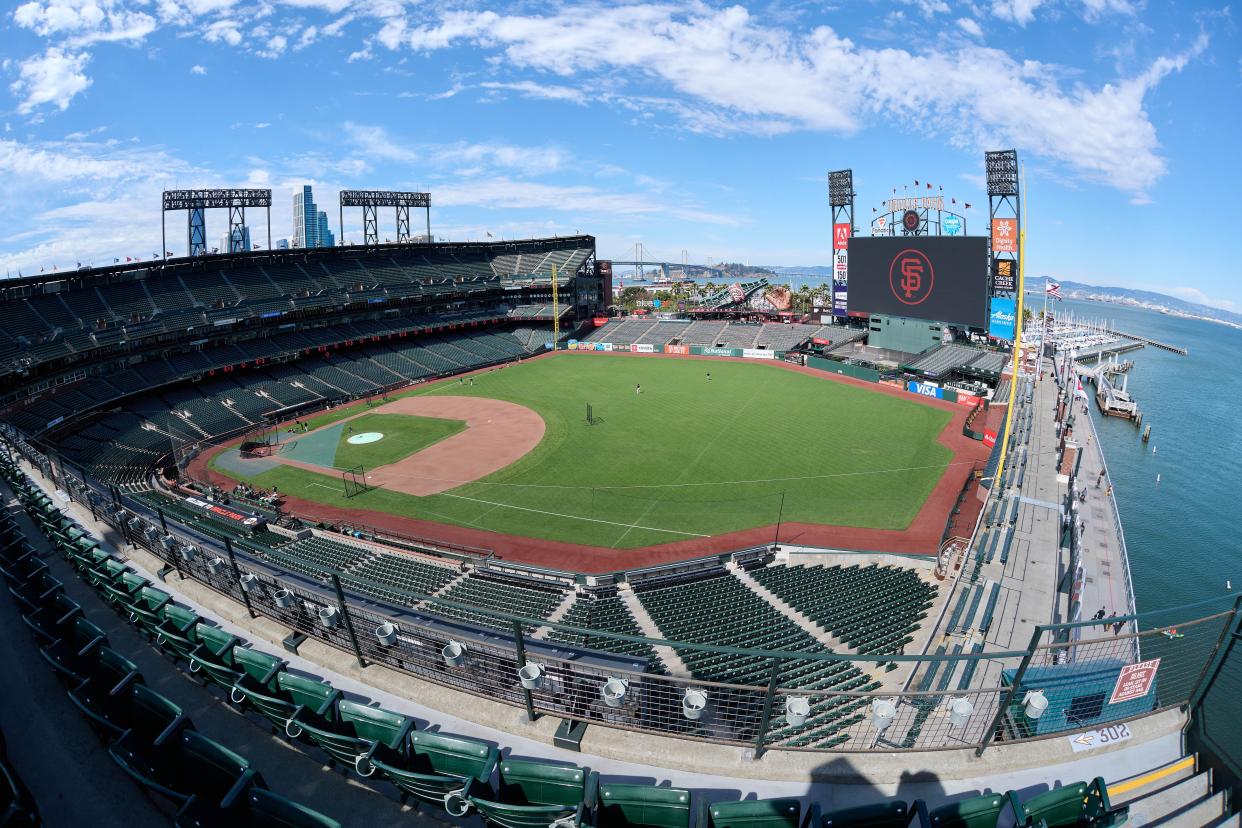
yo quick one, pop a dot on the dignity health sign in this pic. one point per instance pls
(1002, 318)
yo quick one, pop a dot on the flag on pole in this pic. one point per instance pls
(1053, 290)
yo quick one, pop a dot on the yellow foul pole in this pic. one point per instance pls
(556, 310)
(1017, 337)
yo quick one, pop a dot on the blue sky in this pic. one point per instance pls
(684, 125)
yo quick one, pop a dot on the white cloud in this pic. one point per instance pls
(275, 47)
(54, 78)
(733, 73)
(198, 69)
(530, 89)
(225, 31)
(970, 26)
(374, 142)
(1193, 294)
(1023, 12)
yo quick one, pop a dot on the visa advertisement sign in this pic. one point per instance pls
(926, 389)
(1002, 318)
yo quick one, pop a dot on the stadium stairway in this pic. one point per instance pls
(1176, 795)
(647, 624)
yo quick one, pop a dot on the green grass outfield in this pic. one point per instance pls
(685, 458)
(404, 434)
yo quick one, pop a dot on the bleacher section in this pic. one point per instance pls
(722, 611)
(945, 360)
(873, 609)
(120, 446)
(607, 614)
(79, 313)
(486, 590)
(712, 334)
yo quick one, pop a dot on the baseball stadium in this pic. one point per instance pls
(353, 490)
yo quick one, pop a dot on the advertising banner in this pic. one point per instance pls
(724, 352)
(968, 400)
(938, 278)
(571, 345)
(840, 236)
(758, 353)
(819, 340)
(840, 301)
(1005, 235)
(607, 346)
(600, 321)
(880, 226)
(1002, 318)
(677, 349)
(989, 437)
(951, 225)
(644, 349)
(1004, 276)
(925, 389)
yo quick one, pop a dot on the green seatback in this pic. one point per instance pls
(179, 617)
(437, 765)
(893, 814)
(108, 570)
(39, 590)
(268, 810)
(211, 765)
(54, 620)
(146, 605)
(109, 667)
(755, 813)
(977, 812)
(454, 756)
(256, 664)
(306, 691)
(525, 782)
(136, 708)
(373, 724)
(621, 805)
(152, 712)
(215, 640)
(1077, 803)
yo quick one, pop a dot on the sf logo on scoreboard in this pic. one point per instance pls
(911, 277)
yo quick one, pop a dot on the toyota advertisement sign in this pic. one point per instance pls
(939, 278)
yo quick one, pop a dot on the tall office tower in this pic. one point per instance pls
(326, 239)
(305, 219)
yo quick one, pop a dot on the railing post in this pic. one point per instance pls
(228, 548)
(349, 624)
(990, 733)
(172, 554)
(520, 641)
(766, 718)
(1218, 658)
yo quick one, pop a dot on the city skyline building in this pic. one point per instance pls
(310, 224)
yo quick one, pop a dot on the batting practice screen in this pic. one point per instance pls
(939, 278)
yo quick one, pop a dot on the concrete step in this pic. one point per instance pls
(1231, 821)
(1125, 791)
(1150, 809)
(1204, 812)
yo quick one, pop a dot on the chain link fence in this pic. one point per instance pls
(812, 701)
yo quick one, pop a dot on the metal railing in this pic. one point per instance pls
(754, 697)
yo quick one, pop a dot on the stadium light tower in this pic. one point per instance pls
(197, 202)
(371, 200)
(1004, 219)
(841, 200)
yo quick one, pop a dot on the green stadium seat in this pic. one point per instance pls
(892, 814)
(133, 707)
(976, 812)
(53, 621)
(146, 609)
(23, 566)
(534, 794)
(753, 813)
(178, 622)
(1076, 804)
(357, 734)
(17, 806)
(38, 591)
(260, 808)
(70, 656)
(621, 805)
(199, 637)
(223, 664)
(435, 765)
(288, 698)
(120, 591)
(108, 570)
(194, 772)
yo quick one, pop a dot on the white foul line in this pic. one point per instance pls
(574, 517)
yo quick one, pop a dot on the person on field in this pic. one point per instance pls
(638, 389)
(709, 376)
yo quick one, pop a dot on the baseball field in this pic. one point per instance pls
(670, 455)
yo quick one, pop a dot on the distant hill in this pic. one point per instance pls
(1135, 298)
(1077, 290)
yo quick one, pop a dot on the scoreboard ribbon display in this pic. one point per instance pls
(940, 278)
